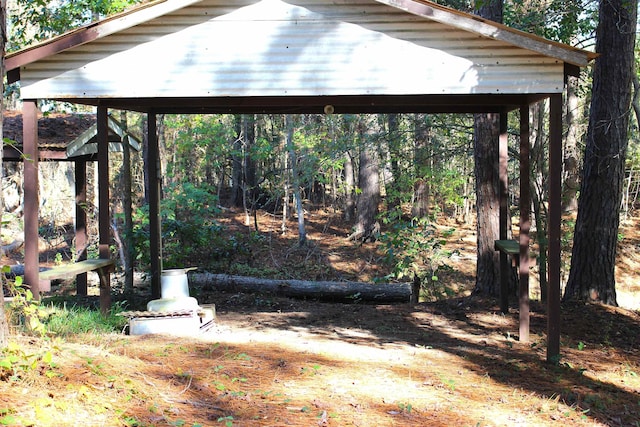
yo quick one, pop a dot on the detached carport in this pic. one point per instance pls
(300, 56)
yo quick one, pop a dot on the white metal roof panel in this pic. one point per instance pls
(300, 47)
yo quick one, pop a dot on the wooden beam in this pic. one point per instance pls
(525, 225)
(446, 103)
(31, 196)
(505, 265)
(153, 173)
(104, 223)
(555, 217)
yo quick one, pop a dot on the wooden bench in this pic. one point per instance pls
(100, 266)
(512, 248)
(509, 247)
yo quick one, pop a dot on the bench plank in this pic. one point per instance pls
(509, 247)
(75, 268)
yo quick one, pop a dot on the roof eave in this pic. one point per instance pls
(493, 30)
(90, 32)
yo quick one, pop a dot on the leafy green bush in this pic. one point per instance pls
(190, 232)
(415, 251)
(24, 311)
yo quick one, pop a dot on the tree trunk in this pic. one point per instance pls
(323, 290)
(236, 165)
(486, 134)
(421, 188)
(394, 190)
(466, 192)
(145, 158)
(295, 182)
(349, 188)
(285, 198)
(127, 209)
(539, 191)
(4, 327)
(571, 180)
(249, 183)
(369, 185)
(592, 274)
(162, 147)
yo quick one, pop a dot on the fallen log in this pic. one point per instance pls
(12, 247)
(321, 290)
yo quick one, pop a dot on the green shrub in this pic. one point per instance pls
(190, 232)
(415, 251)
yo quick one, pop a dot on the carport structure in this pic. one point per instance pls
(300, 56)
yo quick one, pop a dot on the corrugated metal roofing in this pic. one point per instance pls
(216, 48)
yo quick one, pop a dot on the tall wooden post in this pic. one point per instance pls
(80, 167)
(104, 225)
(153, 171)
(525, 224)
(31, 196)
(504, 212)
(555, 217)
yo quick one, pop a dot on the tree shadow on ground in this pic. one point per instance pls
(473, 330)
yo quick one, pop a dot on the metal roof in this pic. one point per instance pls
(64, 136)
(298, 55)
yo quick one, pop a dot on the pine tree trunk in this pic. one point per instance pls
(127, 209)
(592, 274)
(486, 134)
(162, 147)
(236, 164)
(394, 190)
(285, 190)
(349, 188)
(421, 188)
(369, 185)
(295, 182)
(571, 180)
(539, 191)
(486, 130)
(4, 327)
(145, 158)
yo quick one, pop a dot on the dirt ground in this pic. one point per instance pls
(275, 361)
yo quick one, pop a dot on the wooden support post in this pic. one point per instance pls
(525, 224)
(81, 222)
(555, 217)
(155, 238)
(104, 225)
(505, 265)
(31, 196)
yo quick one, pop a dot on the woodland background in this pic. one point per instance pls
(391, 176)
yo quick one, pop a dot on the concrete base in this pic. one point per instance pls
(176, 325)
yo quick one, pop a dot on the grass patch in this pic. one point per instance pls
(62, 320)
